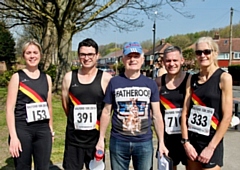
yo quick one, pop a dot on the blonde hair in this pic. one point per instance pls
(31, 42)
(212, 44)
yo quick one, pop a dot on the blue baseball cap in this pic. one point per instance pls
(132, 47)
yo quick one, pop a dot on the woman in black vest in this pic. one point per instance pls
(29, 112)
(207, 109)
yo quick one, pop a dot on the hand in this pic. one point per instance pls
(163, 149)
(100, 145)
(190, 151)
(206, 154)
(53, 136)
(15, 147)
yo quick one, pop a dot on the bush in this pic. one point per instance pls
(51, 71)
(121, 68)
(6, 76)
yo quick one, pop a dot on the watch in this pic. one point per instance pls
(183, 141)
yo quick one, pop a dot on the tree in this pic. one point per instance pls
(7, 46)
(182, 41)
(190, 59)
(64, 18)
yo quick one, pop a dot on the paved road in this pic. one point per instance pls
(231, 153)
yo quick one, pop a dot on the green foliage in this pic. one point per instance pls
(111, 47)
(59, 126)
(75, 67)
(186, 40)
(7, 46)
(182, 41)
(6, 76)
(121, 67)
(51, 71)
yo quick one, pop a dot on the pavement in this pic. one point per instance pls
(231, 148)
(231, 153)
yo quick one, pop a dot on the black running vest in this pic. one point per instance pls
(170, 99)
(173, 98)
(86, 94)
(210, 95)
(29, 85)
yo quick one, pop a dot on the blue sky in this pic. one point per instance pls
(208, 15)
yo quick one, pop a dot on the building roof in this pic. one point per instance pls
(113, 54)
(223, 44)
(159, 49)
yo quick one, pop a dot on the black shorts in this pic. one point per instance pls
(76, 157)
(199, 142)
(175, 148)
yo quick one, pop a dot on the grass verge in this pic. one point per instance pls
(59, 124)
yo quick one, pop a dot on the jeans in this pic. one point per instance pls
(121, 153)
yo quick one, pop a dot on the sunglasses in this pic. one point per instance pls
(205, 52)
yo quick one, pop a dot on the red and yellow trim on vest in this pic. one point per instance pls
(76, 102)
(197, 101)
(30, 93)
(166, 103)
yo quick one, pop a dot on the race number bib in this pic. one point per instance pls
(200, 119)
(172, 120)
(37, 112)
(85, 116)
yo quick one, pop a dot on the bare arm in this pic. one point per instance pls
(189, 149)
(159, 127)
(185, 110)
(161, 71)
(49, 101)
(105, 80)
(104, 122)
(15, 145)
(65, 91)
(226, 87)
(158, 81)
(227, 100)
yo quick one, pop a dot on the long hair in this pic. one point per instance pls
(212, 44)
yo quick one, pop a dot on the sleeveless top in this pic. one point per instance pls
(80, 94)
(208, 94)
(172, 98)
(30, 91)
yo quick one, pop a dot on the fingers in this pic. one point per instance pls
(15, 152)
(100, 145)
(15, 148)
(203, 160)
(192, 157)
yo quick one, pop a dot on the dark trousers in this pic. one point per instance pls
(37, 144)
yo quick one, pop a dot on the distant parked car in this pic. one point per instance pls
(112, 72)
(191, 71)
(103, 67)
(107, 69)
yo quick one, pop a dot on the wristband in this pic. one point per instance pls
(183, 141)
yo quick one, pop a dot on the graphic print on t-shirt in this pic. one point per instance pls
(132, 104)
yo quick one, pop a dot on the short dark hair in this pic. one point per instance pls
(172, 49)
(88, 42)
